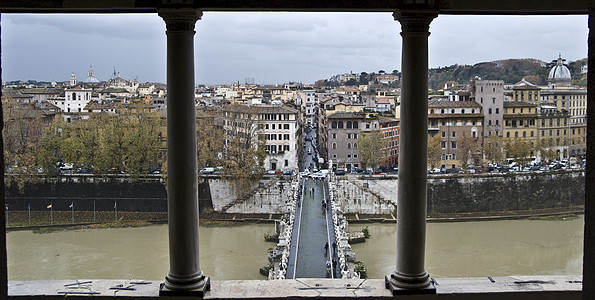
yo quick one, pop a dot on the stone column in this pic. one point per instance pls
(3, 260)
(185, 276)
(410, 275)
(589, 232)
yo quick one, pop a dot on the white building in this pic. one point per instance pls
(278, 125)
(75, 99)
(308, 101)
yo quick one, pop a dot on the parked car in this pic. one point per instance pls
(340, 172)
(504, 169)
(207, 170)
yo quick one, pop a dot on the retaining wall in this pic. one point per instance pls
(452, 193)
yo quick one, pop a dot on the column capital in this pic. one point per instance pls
(415, 21)
(180, 19)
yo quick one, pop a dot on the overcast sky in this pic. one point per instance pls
(270, 47)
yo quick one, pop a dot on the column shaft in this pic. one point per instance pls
(589, 232)
(182, 185)
(411, 204)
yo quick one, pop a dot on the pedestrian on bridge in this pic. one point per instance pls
(334, 266)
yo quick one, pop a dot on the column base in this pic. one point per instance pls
(398, 286)
(193, 292)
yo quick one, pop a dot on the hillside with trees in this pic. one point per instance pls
(510, 71)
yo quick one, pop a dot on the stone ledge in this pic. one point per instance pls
(514, 287)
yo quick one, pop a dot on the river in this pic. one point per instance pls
(462, 249)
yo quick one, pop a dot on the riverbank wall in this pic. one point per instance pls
(471, 194)
(448, 194)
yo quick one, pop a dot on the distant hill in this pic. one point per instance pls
(509, 70)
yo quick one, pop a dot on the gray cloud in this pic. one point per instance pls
(271, 47)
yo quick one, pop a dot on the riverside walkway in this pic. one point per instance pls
(313, 229)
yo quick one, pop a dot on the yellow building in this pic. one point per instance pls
(570, 100)
(460, 125)
(554, 130)
(525, 91)
(520, 123)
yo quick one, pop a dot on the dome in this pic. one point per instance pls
(559, 71)
(91, 78)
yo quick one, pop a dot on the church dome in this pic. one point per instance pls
(559, 75)
(559, 71)
(91, 78)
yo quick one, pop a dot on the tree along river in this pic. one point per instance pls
(462, 249)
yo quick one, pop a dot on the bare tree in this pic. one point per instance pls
(470, 150)
(492, 149)
(434, 151)
(371, 148)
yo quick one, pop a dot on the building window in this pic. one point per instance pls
(334, 135)
(348, 145)
(443, 145)
(334, 146)
(454, 134)
(286, 126)
(453, 145)
(355, 125)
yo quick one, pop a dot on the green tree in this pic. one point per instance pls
(141, 139)
(112, 145)
(372, 148)
(434, 151)
(22, 133)
(50, 151)
(80, 144)
(518, 149)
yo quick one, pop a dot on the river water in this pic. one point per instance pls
(464, 249)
